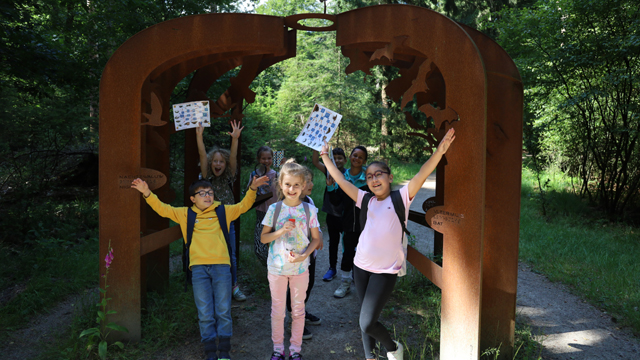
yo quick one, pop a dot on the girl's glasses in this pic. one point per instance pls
(376, 175)
(203, 193)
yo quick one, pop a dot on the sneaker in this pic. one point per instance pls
(343, 289)
(396, 355)
(306, 335)
(277, 356)
(238, 295)
(331, 273)
(311, 319)
(295, 356)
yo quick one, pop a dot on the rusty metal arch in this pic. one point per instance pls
(476, 208)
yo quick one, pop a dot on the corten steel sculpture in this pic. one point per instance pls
(472, 82)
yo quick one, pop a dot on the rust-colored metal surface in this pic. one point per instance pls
(457, 77)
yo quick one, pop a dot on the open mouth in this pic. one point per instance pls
(217, 170)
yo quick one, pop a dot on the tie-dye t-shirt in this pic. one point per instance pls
(295, 240)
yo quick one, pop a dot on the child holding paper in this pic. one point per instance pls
(219, 167)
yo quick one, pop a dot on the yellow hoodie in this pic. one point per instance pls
(208, 246)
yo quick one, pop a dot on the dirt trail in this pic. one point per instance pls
(568, 327)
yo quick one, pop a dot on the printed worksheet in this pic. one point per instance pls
(320, 127)
(188, 115)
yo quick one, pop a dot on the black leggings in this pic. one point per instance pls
(312, 280)
(334, 225)
(374, 290)
(350, 242)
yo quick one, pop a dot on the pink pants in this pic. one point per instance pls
(298, 287)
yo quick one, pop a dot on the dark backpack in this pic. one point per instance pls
(191, 221)
(398, 206)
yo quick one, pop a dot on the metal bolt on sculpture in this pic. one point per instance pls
(474, 83)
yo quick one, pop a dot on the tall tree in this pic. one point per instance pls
(580, 61)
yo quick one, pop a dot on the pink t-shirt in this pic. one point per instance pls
(380, 248)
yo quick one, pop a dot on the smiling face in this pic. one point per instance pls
(203, 198)
(379, 180)
(292, 187)
(357, 158)
(266, 159)
(340, 161)
(218, 164)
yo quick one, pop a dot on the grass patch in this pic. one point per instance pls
(35, 279)
(414, 311)
(579, 247)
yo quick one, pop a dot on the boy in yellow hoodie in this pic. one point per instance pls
(209, 259)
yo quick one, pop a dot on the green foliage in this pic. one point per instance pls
(582, 75)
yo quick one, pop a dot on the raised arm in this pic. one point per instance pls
(416, 182)
(202, 151)
(315, 158)
(235, 134)
(348, 188)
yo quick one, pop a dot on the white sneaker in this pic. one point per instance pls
(343, 289)
(396, 355)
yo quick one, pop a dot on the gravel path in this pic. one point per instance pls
(567, 326)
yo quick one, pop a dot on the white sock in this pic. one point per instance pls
(346, 275)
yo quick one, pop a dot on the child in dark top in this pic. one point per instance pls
(334, 212)
(219, 167)
(351, 215)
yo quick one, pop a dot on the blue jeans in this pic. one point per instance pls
(212, 294)
(234, 257)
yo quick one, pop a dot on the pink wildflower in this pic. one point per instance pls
(109, 258)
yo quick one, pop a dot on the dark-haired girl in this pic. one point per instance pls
(380, 252)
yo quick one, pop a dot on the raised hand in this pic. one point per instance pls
(330, 180)
(446, 141)
(325, 148)
(259, 181)
(141, 186)
(200, 129)
(236, 129)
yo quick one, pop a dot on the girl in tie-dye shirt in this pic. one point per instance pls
(288, 259)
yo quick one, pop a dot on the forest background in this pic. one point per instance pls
(579, 60)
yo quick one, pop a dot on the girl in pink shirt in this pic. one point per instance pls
(380, 253)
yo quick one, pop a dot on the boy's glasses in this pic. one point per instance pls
(376, 175)
(203, 193)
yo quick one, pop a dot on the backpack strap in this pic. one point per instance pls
(364, 207)
(222, 219)
(276, 212)
(191, 221)
(398, 206)
(305, 205)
